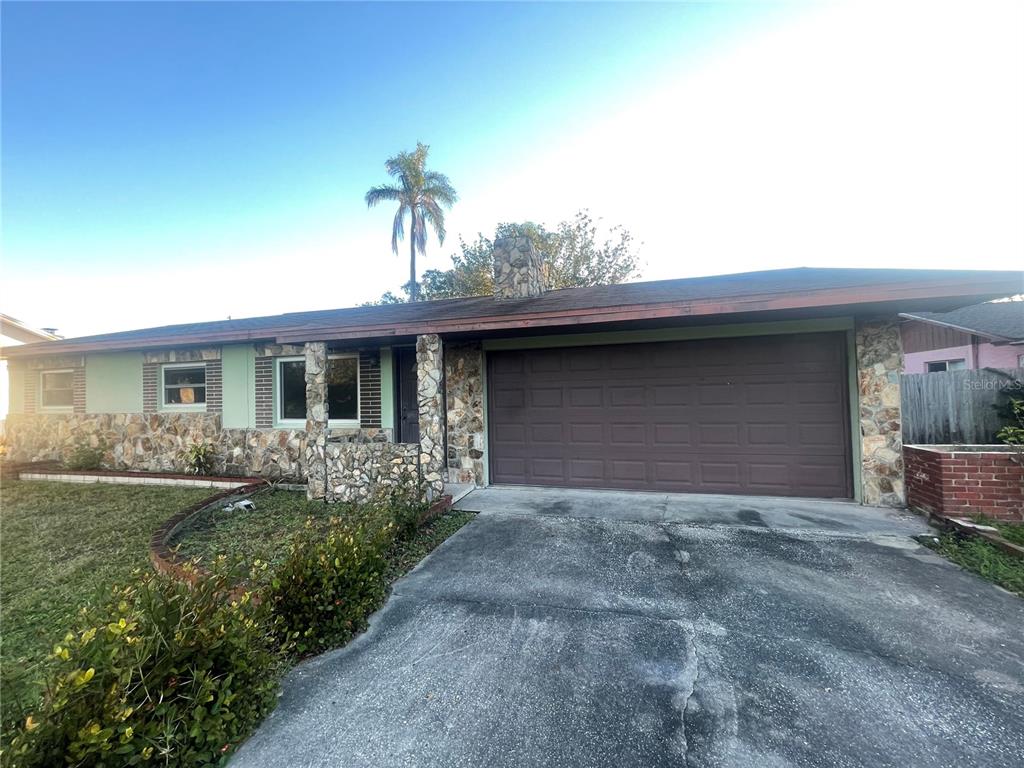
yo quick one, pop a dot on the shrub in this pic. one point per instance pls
(160, 671)
(402, 506)
(329, 583)
(84, 457)
(198, 458)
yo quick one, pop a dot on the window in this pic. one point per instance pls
(946, 365)
(1020, 361)
(184, 386)
(57, 389)
(342, 390)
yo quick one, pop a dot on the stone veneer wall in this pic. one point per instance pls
(430, 391)
(151, 442)
(355, 470)
(518, 269)
(465, 406)
(879, 362)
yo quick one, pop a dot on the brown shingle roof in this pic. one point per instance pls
(784, 286)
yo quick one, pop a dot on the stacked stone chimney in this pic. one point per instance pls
(518, 269)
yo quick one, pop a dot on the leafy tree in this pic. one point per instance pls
(422, 195)
(574, 256)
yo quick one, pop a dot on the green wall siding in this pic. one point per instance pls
(238, 365)
(113, 383)
(387, 389)
(16, 384)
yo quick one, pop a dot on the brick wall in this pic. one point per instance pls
(369, 389)
(78, 390)
(150, 385)
(945, 481)
(31, 391)
(264, 392)
(214, 386)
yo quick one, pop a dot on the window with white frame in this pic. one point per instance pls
(937, 366)
(184, 385)
(342, 390)
(57, 389)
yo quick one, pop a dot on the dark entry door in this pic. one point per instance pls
(756, 415)
(408, 404)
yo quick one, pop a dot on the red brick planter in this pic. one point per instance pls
(964, 480)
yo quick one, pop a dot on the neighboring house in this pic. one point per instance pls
(989, 335)
(12, 333)
(783, 382)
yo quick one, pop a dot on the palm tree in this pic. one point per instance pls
(421, 194)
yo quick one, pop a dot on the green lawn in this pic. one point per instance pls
(59, 544)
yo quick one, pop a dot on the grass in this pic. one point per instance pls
(1012, 532)
(261, 533)
(984, 559)
(61, 544)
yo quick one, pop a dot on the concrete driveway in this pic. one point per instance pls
(560, 629)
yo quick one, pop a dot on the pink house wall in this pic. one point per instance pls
(1003, 356)
(989, 356)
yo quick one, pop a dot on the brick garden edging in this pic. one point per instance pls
(164, 559)
(949, 481)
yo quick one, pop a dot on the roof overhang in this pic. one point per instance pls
(933, 291)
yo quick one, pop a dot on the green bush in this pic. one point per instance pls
(198, 458)
(329, 583)
(161, 672)
(402, 506)
(84, 457)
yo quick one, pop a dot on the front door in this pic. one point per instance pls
(408, 404)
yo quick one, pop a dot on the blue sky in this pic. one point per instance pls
(182, 161)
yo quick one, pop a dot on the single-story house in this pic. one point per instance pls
(781, 382)
(989, 335)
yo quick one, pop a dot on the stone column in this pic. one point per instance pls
(879, 362)
(463, 379)
(316, 419)
(430, 391)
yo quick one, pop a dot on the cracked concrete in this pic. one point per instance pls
(556, 640)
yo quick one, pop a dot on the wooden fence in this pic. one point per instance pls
(956, 406)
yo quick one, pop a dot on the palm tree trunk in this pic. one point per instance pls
(414, 289)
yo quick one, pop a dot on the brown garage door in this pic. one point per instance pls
(757, 415)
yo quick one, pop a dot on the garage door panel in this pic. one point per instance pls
(753, 415)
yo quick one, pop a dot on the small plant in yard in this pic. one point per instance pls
(1012, 433)
(404, 506)
(329, 583)
(85, 457)
(198, 458)
(162, 672)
